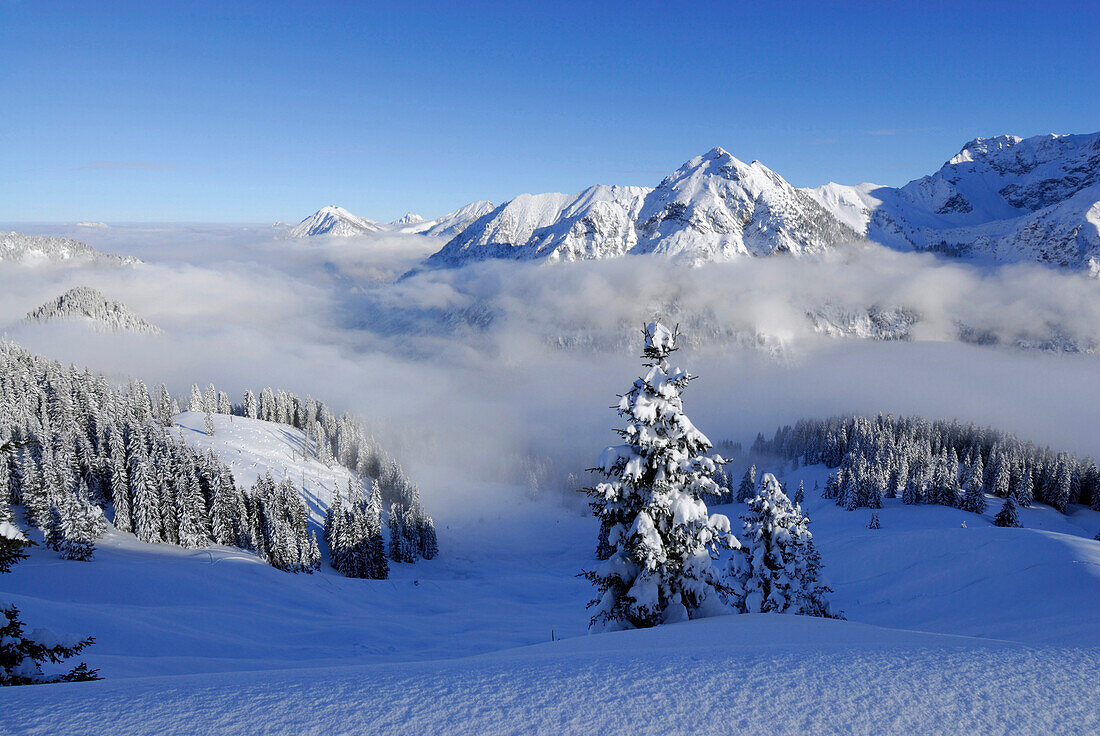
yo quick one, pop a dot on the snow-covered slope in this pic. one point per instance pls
(39, 249)
(252, 447)
(1005, 199)
(951, 630)
(332, 220)
(716, 208)
(450, 224)
(596, 223)
(101, 313)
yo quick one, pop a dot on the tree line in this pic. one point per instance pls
(77, 451)
(940, 462)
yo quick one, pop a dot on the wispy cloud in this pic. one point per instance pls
(823, 141)
(121, 166)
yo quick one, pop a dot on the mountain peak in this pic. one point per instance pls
(332, 220)
(410, 218)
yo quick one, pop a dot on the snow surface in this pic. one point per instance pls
(950, 630)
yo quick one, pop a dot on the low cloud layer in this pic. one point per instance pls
(469, 373)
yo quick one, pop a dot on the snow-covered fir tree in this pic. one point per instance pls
(353, 532)
(661, 569)
(973, 498)
(778, 569)
(747, 489)
(1008, 515)
(874, 523)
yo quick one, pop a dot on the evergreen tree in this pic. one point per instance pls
(778, 569)
(164, 407)
(874, 524)
(197, 402)
(1025, 490)
(1060, 490)
(429, 546)
(800, 495)
(973, 499)
(747, 489)
(208, 424)
(251, 408)
(1007, 516)
(661, 569)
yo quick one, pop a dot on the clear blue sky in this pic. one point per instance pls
(196, 111)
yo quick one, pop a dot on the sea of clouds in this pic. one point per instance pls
(479, 373)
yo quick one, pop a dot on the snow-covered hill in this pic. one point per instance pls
(88, 304)
(253, 447)
(332, 220)
(1004, 199)
(40, 249)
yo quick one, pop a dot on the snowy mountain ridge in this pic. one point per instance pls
(1004, 199)
(101, 313)
(713, 208)
(34, 249)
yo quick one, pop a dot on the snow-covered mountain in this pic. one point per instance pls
(410, 218)
(1005, 199)
(597, 223)
(713, 208)
(32, 249)
(448, 225)
(101, 313)
(332, 220)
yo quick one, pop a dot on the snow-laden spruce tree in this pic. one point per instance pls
(660, 568)
(778, 570)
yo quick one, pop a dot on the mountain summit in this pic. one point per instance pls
(332, 220)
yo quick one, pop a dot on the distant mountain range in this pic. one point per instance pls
(39, 249)
(88, 304)
(1003, 200)
(338, 222)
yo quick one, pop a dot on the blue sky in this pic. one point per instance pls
(251, 112)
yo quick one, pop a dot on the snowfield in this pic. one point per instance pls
(950, 630)
(716, 676)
